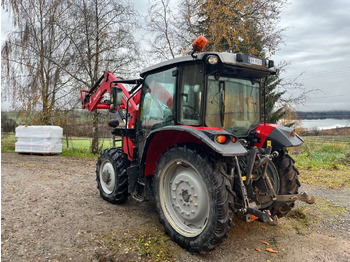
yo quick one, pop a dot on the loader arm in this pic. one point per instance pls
(92, 99)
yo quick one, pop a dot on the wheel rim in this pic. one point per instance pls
(184, 198)
(107, 177)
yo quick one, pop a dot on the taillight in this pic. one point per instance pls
(292, 133)
(234, 139)
(221, 139)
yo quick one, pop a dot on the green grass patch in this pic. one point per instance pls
(77, 147)
(328, 208)
(301, 219)
(138, 245)
(324, 161)
(8, 141)
(326, 178)
(316, 155)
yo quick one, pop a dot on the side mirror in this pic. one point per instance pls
(116, 98)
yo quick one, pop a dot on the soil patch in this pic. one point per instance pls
(52, 211)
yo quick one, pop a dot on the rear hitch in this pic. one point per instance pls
(264, 216)
(301, 197)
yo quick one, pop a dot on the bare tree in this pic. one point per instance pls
(31, 79)
(100, 33)
(162, 28)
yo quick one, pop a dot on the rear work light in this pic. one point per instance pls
(221, 139)
(212, 59)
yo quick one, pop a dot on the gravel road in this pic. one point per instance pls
(51, 211)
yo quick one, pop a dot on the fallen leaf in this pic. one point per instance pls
(258, 249)
(271, 250)
(266, 243)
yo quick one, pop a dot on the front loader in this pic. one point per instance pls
(193, 135)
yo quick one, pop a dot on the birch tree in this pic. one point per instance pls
(34, 83)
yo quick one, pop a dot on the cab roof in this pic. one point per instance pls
(236, 59)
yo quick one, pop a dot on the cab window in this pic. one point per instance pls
(158, 100)
(190, 95)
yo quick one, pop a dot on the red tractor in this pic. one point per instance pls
(191, 136)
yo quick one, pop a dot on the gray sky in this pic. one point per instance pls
(317, 44)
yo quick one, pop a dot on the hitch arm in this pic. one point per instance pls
(301, 197)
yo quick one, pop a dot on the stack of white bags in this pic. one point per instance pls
(39, 139)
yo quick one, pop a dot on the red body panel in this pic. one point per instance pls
(205, 128)
(160, 144)
(263, 132)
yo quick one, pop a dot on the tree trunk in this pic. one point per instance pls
(95, 133)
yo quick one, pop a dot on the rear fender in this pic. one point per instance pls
(158, 142)
(280, 136)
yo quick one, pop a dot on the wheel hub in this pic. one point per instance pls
(107, 177)
(188, 197)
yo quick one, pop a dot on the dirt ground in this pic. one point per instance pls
(52, 211)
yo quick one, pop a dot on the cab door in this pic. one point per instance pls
(157, 104)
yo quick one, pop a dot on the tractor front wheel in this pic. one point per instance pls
(111, 176)
(193, 199)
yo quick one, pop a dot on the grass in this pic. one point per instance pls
(78, 147)
(8, 143)
(324, 161)
(138, 244)
(300, 219)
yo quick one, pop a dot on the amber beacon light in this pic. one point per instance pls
(199, 43)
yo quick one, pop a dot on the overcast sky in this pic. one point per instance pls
(317, 44)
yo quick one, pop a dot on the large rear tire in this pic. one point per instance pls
(111, 175)
(193, 199)
(289, 183)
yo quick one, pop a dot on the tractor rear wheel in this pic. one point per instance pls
(194, 199)
(111, 175)
(289, 182)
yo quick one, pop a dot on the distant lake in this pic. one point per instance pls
(328, 123)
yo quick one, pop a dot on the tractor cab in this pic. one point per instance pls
(214, 90)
